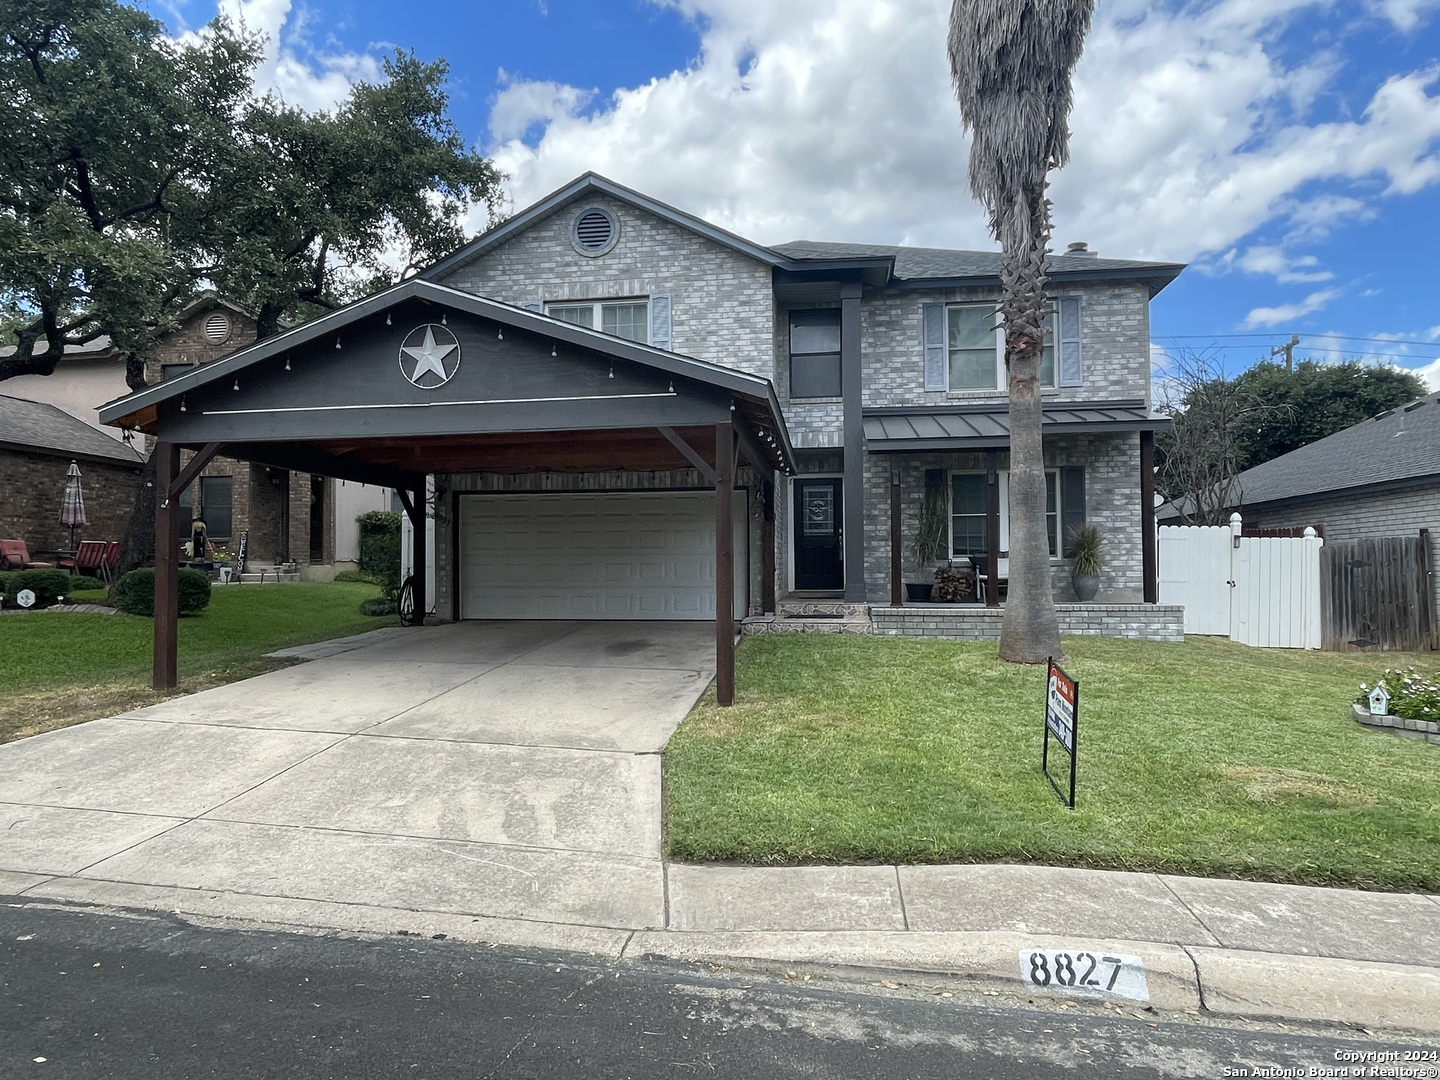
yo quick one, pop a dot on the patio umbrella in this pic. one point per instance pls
(72, 506)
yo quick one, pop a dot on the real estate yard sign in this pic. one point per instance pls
(1062, 720)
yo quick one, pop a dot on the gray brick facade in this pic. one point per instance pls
(1361, 514)
(722, 302)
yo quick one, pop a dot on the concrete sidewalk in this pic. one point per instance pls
(1228, 948)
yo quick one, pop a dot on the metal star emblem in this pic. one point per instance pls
(429, 356)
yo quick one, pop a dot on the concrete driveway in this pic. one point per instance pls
(504, 769)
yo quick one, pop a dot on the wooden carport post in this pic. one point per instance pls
(414, 503)
(167, 567)
(1148, 565)
(724, 564)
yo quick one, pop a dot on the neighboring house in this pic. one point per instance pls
(570, 429)
(1380, 477)
(290, 516)
(37, 444)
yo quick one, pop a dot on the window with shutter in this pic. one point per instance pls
(1072, 500)
(1072, 367)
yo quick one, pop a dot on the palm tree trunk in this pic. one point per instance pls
(1030, 630)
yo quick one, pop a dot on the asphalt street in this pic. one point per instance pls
(89, 994)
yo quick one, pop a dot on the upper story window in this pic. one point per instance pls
(976, 349)
(172, 371)
(623, 318)
(815, 353)
(965, 347)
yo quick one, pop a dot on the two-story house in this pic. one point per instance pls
(886, 360)
(570, 390)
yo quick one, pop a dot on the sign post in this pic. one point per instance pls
(1062, 720)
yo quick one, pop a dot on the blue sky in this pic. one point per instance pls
(1289, 150)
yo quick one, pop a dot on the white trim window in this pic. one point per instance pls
(975, 349)
(624, 318)
(967, 512)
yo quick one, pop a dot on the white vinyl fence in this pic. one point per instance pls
(1257, 590)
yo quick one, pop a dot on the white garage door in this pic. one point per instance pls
(614, 556)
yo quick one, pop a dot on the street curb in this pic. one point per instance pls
(1194, 979)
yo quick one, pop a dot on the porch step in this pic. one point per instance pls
(820, 609)
(854, 621)
(257, 577)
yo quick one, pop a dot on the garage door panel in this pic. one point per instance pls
(588, 556)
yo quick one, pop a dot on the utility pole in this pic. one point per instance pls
(1288, 349)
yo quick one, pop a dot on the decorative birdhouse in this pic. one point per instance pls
(1379, 702)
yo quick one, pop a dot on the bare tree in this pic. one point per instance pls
(1200, 456)
(1011, 61)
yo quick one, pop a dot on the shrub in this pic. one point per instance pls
(380, 547)
(47, 585)
(1087, 550)
(135, 592)
(378, 605)
(85, 583)
(1413, 695)
(952, 585)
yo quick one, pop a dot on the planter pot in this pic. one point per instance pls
(918, 593)
(1086, 585)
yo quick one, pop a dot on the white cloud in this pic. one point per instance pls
(1285, 313)
(522, 104)
(1430, 373)
(1189, 130)
(293, 67)
(1286, 269)
(1407, 15)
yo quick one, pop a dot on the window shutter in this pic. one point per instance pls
(1072, 501)
(1072, 367)
(533, 305)
(934, 323)
(660, 321)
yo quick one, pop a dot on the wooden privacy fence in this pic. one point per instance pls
(1375, 594)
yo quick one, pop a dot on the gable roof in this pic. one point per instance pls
(757, 393)
(894, 265)
(37, 426)
(583, 187)
(1397, 446)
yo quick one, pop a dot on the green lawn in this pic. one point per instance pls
(1201, 758)
(61, 668)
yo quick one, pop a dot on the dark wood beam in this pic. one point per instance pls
(767, 546)
(308, 457)
(992, 528)
(724, 564)
(164, 671)
(691, 454)
(188, 474)
(1148, 564)
(418, 562)
(407, 503)
(897, 585)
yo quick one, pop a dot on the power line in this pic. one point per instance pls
(1399, 356)
(1338, 337)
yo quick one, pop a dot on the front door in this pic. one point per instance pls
(819, 562)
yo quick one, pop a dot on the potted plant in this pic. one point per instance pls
(1087, 559)
(929, 537)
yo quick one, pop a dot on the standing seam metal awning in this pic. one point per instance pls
(988, 426)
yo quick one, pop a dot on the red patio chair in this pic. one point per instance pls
(88, 558)
(14, 555)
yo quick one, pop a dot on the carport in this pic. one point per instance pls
(423, 379)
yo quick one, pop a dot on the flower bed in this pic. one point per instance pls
(1413, 694)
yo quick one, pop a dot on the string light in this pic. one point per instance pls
(443, 320)
(182, 404)
(337, 341)
(237, 384)
(501, 335)
(387, 319)
(287, 361)
(553, 350)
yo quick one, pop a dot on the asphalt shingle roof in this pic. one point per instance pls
(912, 262)
(1399, 445)
(48, 429)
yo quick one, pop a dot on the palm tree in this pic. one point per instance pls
(1011, 62)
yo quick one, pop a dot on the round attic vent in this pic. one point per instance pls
(217, 327)
(595, 232)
